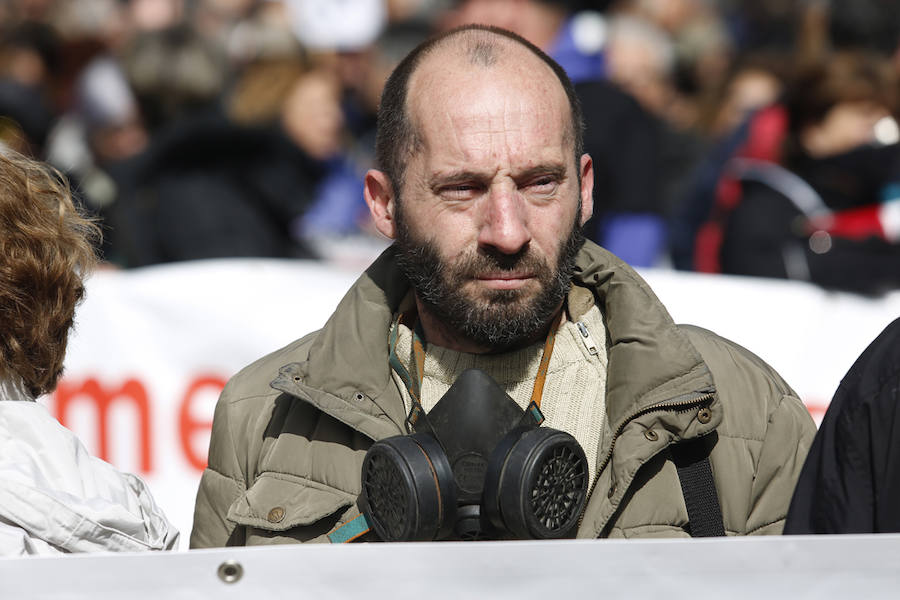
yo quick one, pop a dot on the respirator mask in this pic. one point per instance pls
(475, 467)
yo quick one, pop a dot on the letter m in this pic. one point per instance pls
(90, 390)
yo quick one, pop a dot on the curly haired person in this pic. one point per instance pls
(54, 496)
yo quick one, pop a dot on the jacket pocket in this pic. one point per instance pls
(278, 502)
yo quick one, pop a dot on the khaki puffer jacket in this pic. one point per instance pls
(291, 430)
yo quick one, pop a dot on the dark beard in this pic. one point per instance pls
(498, 319)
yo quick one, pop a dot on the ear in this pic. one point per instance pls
(587, 187)
(379, 195)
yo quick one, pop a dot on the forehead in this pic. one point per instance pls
(515, 105)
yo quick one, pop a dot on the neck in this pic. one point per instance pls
(440, 334)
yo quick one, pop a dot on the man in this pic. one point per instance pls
(484, 187)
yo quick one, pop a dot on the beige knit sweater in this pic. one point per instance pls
(574, 398)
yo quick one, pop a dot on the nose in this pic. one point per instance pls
(505, 225)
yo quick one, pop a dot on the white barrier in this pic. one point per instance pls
(154, 346)
(777, 567)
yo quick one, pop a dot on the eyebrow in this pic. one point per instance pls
(556, 171)
(449, 178)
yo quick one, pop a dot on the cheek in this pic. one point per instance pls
(552, 227)
(451, 233)
(453, 237)
(449, 227)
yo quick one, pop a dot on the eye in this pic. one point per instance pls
(459, 191)
(545, 184)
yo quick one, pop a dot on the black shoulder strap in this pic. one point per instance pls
(691, 458)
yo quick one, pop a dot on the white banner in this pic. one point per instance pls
(843, 567)
(153, 348)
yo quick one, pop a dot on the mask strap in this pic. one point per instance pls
(414, 384)
(538, 389)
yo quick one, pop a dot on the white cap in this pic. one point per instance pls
(337, 24)
(103, 95)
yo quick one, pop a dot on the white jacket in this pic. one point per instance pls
(55, 497)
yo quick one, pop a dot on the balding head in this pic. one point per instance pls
(472, 46)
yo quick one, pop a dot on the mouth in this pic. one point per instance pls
(504, 281)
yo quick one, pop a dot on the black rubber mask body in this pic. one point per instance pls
(469, 421)
(470, 470)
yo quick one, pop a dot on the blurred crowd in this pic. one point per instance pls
(754, 137)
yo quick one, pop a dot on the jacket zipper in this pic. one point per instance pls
(667, 405)
(586, 338)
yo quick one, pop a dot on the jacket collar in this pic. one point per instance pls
(651, 360)
(347, 374)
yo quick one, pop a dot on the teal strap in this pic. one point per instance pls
(534, 413)
(413, 383)
(350, 530)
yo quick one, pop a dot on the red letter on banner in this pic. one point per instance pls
(188, 426)
(90, 389)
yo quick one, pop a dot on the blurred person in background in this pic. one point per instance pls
(643, 147)
(773, 40)
(93, 141)
(54, 496)
(766, 24)
(813, 193)
(652, 146)
(701, 48)
(302, 94)
(154, 15)
(313, 119)
(755, 81)
(99, 127)
(669, 55)
(641, 60)
(353, 50)
(644, 68)
(29, 58)
(339, 215)
(572, 32)
(301, 102)
(176, 73)
(207, 186)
